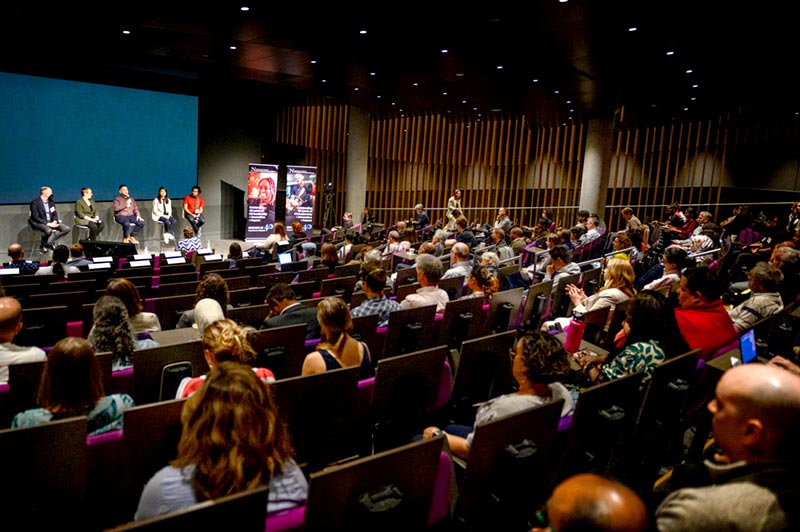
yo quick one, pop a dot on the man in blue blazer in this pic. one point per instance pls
(44, 218)
(284, 309)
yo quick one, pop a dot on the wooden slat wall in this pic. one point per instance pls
(505, 160)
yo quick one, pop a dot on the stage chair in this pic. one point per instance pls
(510, 469)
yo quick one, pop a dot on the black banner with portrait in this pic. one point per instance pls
(262, 186)
(301, 194)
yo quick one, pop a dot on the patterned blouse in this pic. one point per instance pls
(105, 416)
(639, 356)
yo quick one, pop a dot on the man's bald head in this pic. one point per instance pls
(15, 251)
(756, 413)
(459, 252)
(590, 502)
(10, 318)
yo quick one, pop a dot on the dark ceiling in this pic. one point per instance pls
(575, 58)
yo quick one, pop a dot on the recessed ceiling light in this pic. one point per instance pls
(536, 80)
(499, 67)
(444, 94)
(379, 96)
(415, 84)
(355, 88)
(313, 61)
(445, 51)
(689, 71)
(463, 101)
(670, 52)
(244, 8)
(556, 91)
(126, 32)
(324, 81)
(372, 73)
(695, 86)
(633, 28)
(363, 32)
(459, 74)
(233, 47)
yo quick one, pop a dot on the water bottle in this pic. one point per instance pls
(575, 332)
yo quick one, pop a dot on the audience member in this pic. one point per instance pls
(560, 265)
(338, 349)
(481, 282)
(763, 281)
(234, 254)
(674, 260)
(787, 260)
(453, 209)
(374, 284)
(503, 222)
(211, 286)
(77, 256)
(284, 309)
(429, 271)
(329, 257)
(270, 246)
(753, 486)
(423, 220)
(224, 341)
(650, 337)
(588, 502)
(232, 440)
(10, 326)
(111, 331)
(518, 242)
(127, 292)
(538, 364)
(464, 233)
(439, 239)
(632, 223)
(618, 287)
(189, 243)
(17, 255)
(72, 385)
(58, 266)
(702, 318)
(459, 262)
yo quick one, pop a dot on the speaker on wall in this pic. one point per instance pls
(99, 248)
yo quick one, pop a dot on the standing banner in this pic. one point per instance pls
(301, 194)
(262, 186)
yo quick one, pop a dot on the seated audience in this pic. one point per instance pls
(459, 262)
(618, 287)
(518, 241)
(329, 257)
(674, 260)
(17, 255)
(234, 254)
(72, 385)
(58, 266)
(560, 265)
(481, 283)
(233, 440)
(10, 325)
(650, 337)
(127, 292)
(376, 303)
(464, 234)
(111, 331)
(763, 281)
(77, 256)
(702, 318)
(752, 484)
(211, 286)
(787, 260)
(189, 243)
(224, 341)
(539, 364)
(206, 312)
(429, 271)
(270, 246)
(337, 349)
(285, 309)
(439, 239)
(588, 502)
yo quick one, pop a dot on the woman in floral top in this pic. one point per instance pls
(651, 336)
(72, 385)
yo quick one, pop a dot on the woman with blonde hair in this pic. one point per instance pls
(233, 440)
(224, 340)
(337, 349)
(270, 245)
(618, 287)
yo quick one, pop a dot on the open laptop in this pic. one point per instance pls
(285, 258)
(748, 350)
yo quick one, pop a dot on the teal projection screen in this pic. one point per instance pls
(68, 134)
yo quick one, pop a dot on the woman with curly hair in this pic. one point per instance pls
(539, 364)
(232, 441)
(224, 340)
(112, 331)
(211, 286)
(337, 349)
(72, 385)
(481, 282)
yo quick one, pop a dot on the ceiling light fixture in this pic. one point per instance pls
(633, 28)
(126, 32)
(670, 52)
(313, 61)
(363, 32)
(244, 8)
(233, 47)
(445, 51)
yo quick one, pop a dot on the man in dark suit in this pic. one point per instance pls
(44, 218)
(284, 309)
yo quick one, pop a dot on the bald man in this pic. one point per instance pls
(17, 254)
(459, 262)
(10, 325)
(590, 502)
(756, 424)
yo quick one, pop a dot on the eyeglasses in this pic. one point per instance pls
(541, 520)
